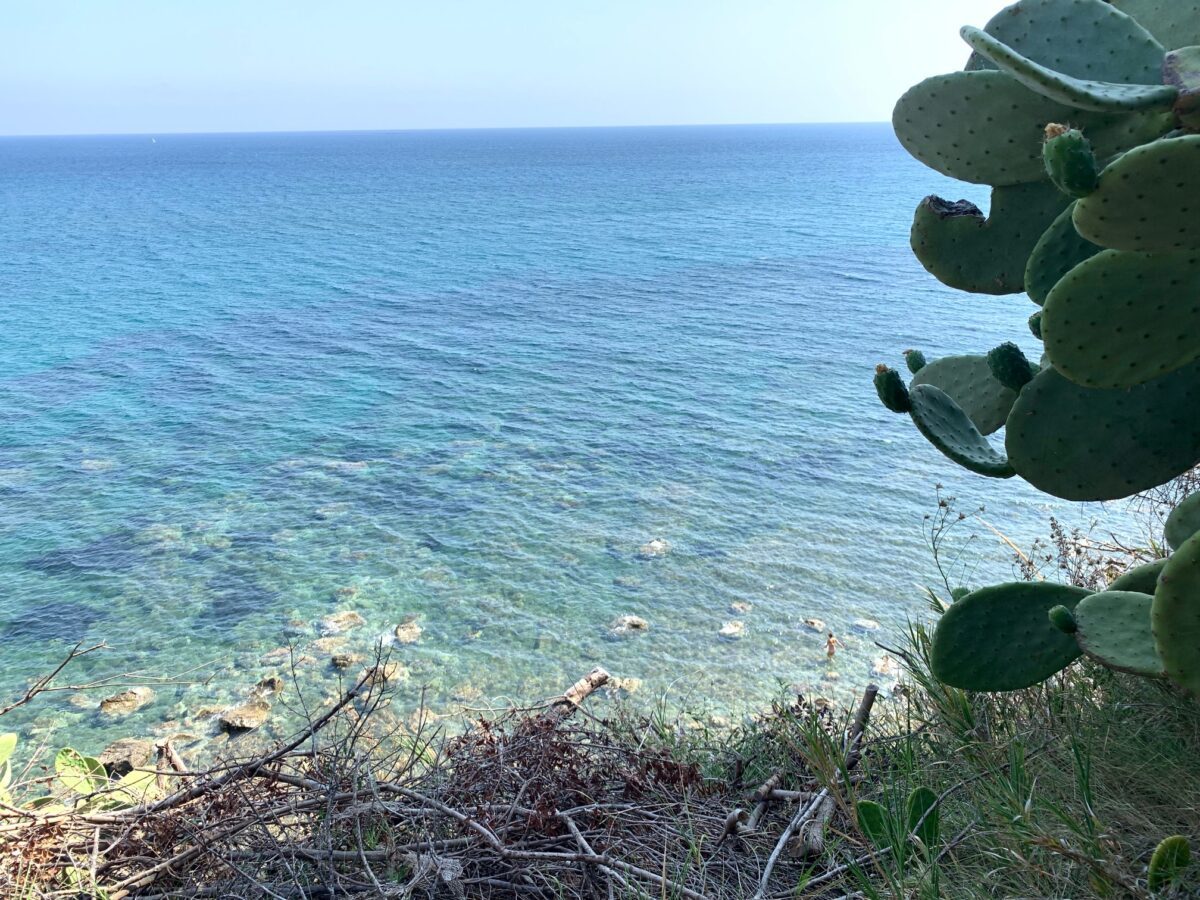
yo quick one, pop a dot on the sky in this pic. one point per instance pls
(161, 66)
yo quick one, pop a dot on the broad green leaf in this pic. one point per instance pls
(79, 773)
(8, 743)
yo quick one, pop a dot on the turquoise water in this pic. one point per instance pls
(461, 378)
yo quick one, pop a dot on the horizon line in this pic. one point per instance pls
(282, 131)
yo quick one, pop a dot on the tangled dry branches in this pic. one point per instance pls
(533, 803)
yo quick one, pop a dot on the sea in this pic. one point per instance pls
(498, 387)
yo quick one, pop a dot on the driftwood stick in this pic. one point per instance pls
(762, 799)
(574, 696)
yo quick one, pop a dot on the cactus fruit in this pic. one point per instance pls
(963, 250)
(915, 360)
(1183, 522)
(1035, 325)
(1077, 93)
(1113, 628)
(890, 387)
(1175, 615)
(1069, 160)
(1082, 443)
(1142, 579)
(1063, 619)
(1000, 638)
(968, 381)
(1120, 319)
(948, 428)
(1168, 861)
(958, 593)
(1009, 366)
(1059, 250)
(1147, 200)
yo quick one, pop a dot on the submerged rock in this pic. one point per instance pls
(885, 667)
(408, 632)
(385, 673)
(625, 626)
(271, 684)
(328, 644)
(817, 626)
(245, 716)
(125, 702)
(340, 622)
(862, 626)
(740, 607)
(623, 687)
(122, 757)
(344, 661)
(653, 549)
(733, 630)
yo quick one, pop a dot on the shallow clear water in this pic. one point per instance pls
(251, 380)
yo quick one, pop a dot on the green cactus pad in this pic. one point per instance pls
(1077, 93)
(1175, 615)
(1174, 23)
(915, 360)
(1000, 638)
(1082, 443)
(1140, 579)
(922, 807)
(963, 250)
(1120, 319)
(986, 127)
(968, 381)
(947, 427)
(1183, 522)
(1079, 38)
(1148, 199)
(873, 820)
(1113, 628)
(1168, 861)
(1057, 252)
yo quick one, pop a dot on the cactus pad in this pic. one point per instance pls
(1170, 858)
(1148, 199)
(1182, 70)
(1082, 443)
(1141, 579)
(1000, 638)
(969, 383)
(1174, 23)
(1080, 38)
(1057, 252)
(1078, 93)
(915, 360)
(1113, 628)
(1183, 522)
(987, 128)
(962, 249)
(1175, 615)
(947, 427)
(1063, 619)
(1120, 319)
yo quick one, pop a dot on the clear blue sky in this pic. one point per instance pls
(157, 66)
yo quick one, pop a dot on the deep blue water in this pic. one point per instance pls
(249, 380)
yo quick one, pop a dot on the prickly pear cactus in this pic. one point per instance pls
(1084, 118)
